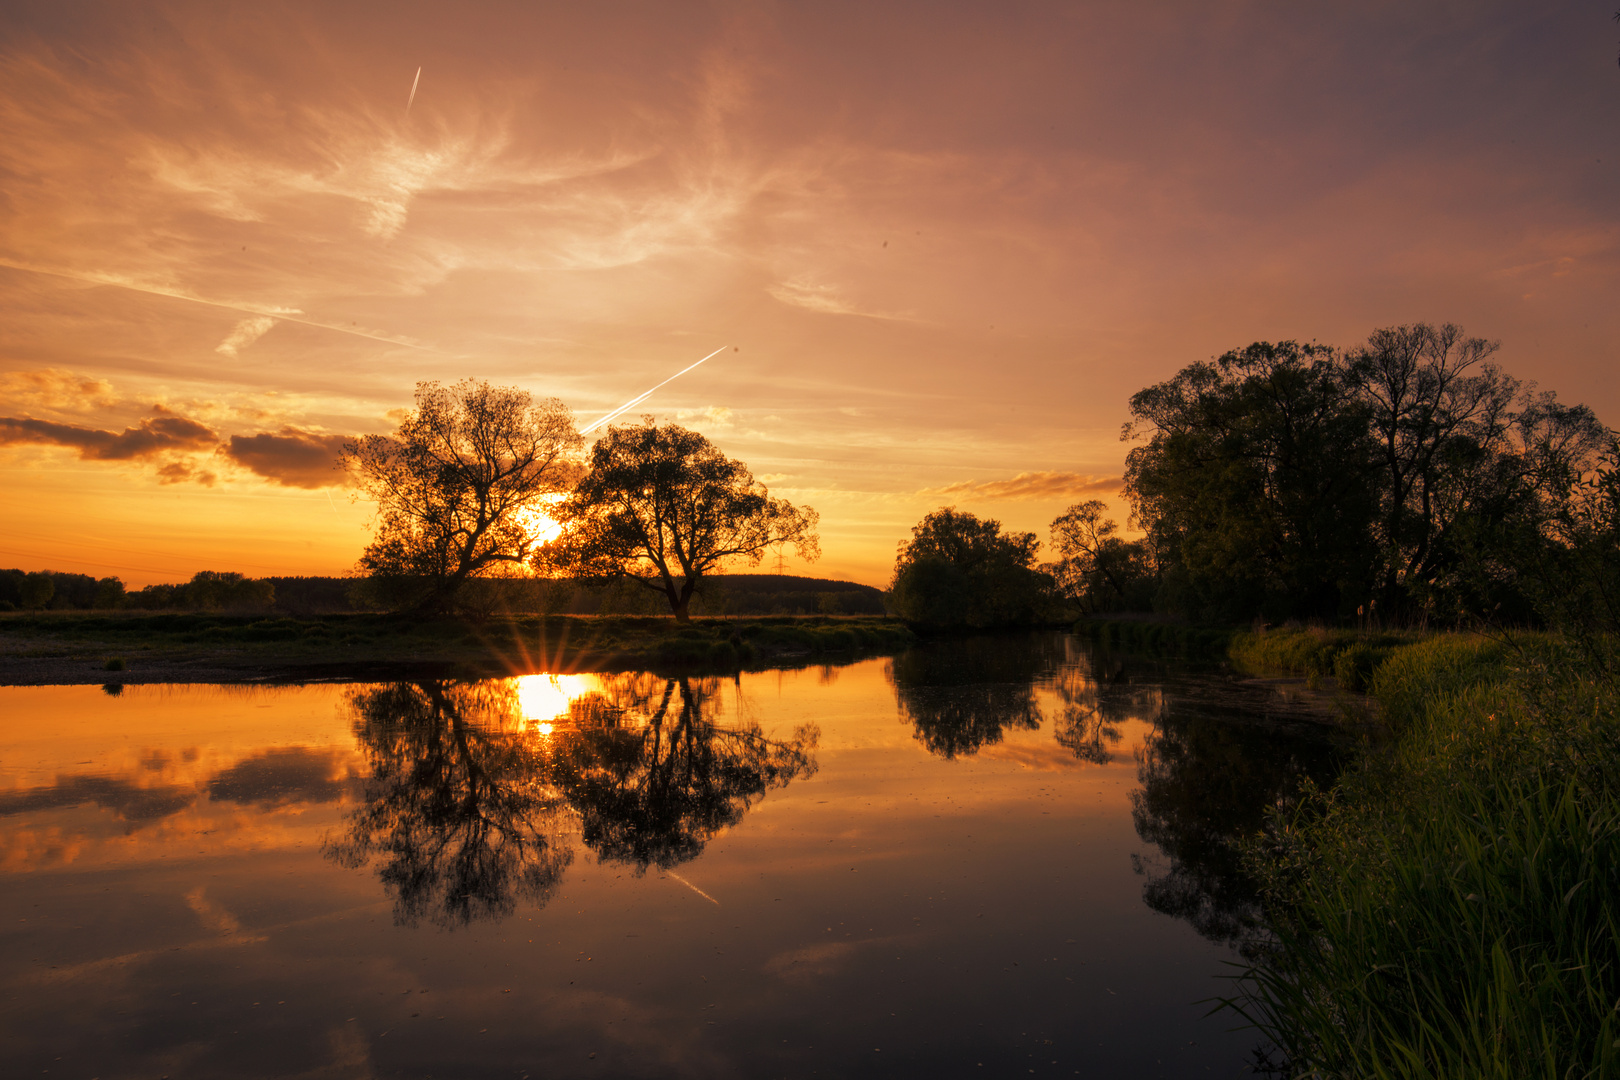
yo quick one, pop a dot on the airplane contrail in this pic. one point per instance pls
(633, 402)
(412, 98)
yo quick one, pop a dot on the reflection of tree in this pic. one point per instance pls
(469, 809)
(1093, 708)
(653, 793)
(458, 806)
(962, 695)
(1206, 784)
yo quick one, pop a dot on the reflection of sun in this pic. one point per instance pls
(544, 698)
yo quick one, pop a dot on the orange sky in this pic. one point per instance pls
(947, 240)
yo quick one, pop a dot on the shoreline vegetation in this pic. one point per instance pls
(120, 648)
(1450, 907)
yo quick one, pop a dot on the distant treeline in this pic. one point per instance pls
(210, 590)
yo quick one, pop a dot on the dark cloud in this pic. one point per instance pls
(154, 435)
(291, 457)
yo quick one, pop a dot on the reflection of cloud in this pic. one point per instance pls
(153, 435)
(217, 918)
(1029, 485)
(129, 801)
(283, 775)
(292, 457)
(810, 961)
(244, 334)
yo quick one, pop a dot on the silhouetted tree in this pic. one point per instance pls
(663, 507)
(1256, 484)
(461, 487)
(1097, 569)
(958, 571)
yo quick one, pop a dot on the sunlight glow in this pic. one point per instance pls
(540, 525)
(545, 698)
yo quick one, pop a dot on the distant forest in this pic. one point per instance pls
(731, 594)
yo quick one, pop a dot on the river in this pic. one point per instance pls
(993, 857)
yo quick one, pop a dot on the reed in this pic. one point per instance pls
(1451, 908)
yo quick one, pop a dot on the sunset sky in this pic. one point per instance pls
(943, 243)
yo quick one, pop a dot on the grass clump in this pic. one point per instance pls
(115, 663)
(1451, 908)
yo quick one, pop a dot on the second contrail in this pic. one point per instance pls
(412, 99)
(633, 402)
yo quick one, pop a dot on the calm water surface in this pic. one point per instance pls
(992, 858)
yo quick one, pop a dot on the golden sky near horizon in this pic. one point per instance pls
(946, 241)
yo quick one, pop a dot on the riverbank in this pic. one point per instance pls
(1451, 907)
(119, 648)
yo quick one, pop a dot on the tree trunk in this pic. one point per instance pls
(683, 610)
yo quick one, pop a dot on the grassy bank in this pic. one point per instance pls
(1349, 656)
(330, 645)
(1452, 907)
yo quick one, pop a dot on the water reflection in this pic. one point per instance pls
(1208, 775)
(457, 809)
(1216, 753)
(962, 695)
(475, 795)
(654, 792)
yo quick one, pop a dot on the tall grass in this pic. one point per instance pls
(1452, 907)
(1350, 656)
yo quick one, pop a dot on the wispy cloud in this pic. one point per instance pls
(1029, 485)
(825, 300)
(244, 334)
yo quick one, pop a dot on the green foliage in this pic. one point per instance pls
(1256, 484)
(959, 572)
(1452, 907)
(1410, 475)
(1315, 651)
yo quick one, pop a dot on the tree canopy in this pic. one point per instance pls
(1407, 476)
(461, 487)
(663, 507)
(960, 572)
